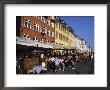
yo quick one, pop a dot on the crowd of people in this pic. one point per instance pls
(54, 63)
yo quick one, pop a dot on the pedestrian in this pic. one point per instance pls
(92, 64)
(65, 62)
(52, 63)
(77, 58)
(57, 63)
(44, 67)
(48, 64)
(41, 57)
(62, 64)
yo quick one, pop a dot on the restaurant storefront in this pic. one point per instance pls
(33, 53)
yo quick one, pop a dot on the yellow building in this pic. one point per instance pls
(61, 32)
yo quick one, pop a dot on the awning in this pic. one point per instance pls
(23, 41)
(55, 46)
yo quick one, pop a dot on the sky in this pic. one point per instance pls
(83, 26)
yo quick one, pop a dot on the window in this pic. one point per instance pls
(66, 39)
(24, 36)
(37, 17)
(28, 37)
(53, 17)
(56, 34)
(48, 22)
(25, 23)
(61, 36)
(52, 34)
(33, 38)
(47, 41)
(52, 24)
(48, 32)
(29, 24)
(36, 27)
(60, 26)
(42, 41)
(43, 29)
(43, 19)
(37, 39)
(52, 42)
(67, 32)
(56, 24)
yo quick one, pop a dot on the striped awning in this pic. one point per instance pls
(23, 41)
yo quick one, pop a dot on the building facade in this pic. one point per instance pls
(81, 45)
(85, 46)
(49, 29)
(71, 38)
(38, 28)
(78, 44)
(61, 32)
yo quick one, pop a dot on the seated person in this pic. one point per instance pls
(38, 69)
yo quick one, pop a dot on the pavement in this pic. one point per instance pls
(81, 67)
(78, 68)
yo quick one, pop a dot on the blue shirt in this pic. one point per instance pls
(57, 61)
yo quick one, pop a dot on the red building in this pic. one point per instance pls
(33, 28)
(37, 28)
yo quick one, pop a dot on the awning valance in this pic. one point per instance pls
(23, 41)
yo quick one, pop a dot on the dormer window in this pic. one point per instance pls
(24, 36)
(43, 19)
(28, 37)
(35, 39)
(42, 41)
(37, 17)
